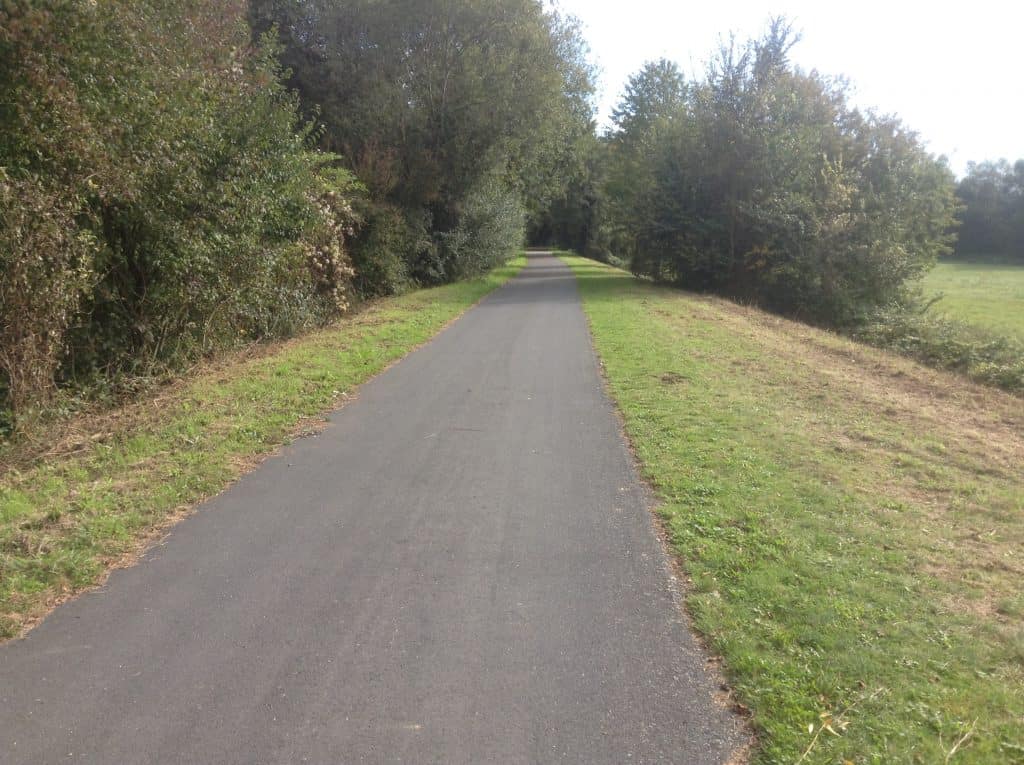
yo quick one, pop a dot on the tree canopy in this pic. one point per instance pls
(456, 114)
(759, 181)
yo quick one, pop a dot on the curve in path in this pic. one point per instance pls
(461, 568)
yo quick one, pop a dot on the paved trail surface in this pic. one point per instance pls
(460, 569)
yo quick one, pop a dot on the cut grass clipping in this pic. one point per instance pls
(67, 518)
(853, 524)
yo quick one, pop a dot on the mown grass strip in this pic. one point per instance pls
(67, 519)
(853, 524)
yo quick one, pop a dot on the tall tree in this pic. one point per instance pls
(656, 92)
(654, 98)
(759, 181)
(438, 101)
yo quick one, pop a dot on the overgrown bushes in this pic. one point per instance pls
(159, 196)
(46, 268)
(942, 343)
(491, 225)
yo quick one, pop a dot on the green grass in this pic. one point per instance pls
(66, 519)
(852, 523)
(987, 296)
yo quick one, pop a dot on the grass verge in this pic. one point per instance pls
(108, 483)
(852, 523)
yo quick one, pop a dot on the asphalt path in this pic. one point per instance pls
(462, 568)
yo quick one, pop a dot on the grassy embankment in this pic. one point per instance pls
(853, 524)
(987, 296)
(108, 482)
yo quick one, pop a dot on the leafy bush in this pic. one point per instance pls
(388, 246)
(946, 344)
(46, 265)
(491, 227)
(397, 248)
(160, 198)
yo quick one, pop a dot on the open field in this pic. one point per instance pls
(852, 524)
(987, 296)
(105, 484)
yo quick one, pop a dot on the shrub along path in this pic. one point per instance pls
(460, 568)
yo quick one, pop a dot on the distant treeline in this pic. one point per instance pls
(167, 189)
(992, 213)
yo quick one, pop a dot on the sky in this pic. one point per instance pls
(953, 71)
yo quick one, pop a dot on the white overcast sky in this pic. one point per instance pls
(954, 71)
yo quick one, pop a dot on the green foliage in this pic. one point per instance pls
(657, 92)
(453, 114)
(156, 171)
(654, 99)
(578, 219)
(46, 268)
(992, 213)
(944, 343)
(387, 245)
(760, 182)
(161, 200)
(491, 228)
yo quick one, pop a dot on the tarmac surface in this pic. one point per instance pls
(462, 568)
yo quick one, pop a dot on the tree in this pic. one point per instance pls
(657, 92)
(434, 102)
(655, 98)
(760, 182)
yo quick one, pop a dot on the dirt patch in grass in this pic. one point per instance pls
(672, 378)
